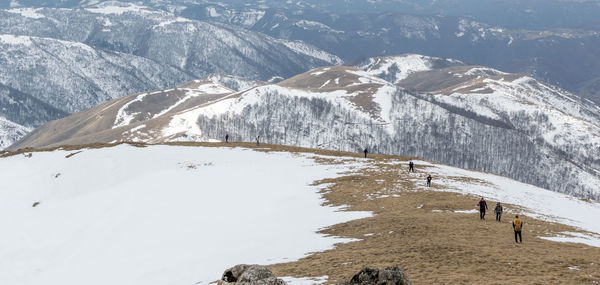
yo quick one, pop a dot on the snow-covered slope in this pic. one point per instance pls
(73, 76)
(442, 110)
(24, 110)
(73, 59)
(158, 215)
(10, 132)
(196, 47)
(175, 214)
(397, 68)
(137, 117)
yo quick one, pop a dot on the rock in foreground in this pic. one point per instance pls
(372, 276)
(243, 274)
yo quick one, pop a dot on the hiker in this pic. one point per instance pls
(258, 140)
(411, 167)
(482, 207)
(498, 211)
(517, 226)
(429, 180)
(366, 151)
(226, 138)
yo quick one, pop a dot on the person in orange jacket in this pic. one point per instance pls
(517, 226)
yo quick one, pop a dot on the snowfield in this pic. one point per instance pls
(182, 215)
(158, 215)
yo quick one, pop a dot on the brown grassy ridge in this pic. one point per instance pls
(433, 248)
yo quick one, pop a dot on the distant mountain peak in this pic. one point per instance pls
(397, 68)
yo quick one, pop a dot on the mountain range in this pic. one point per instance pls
(68, 60)
(439, 109)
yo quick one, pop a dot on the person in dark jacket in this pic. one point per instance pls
(226, 138)
(498, 211)
(411, 167)
(518, 226)
(429, 180)
(366, 151)
(482, 208)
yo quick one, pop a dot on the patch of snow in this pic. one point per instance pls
(593, 240)
(173, 21)
(306, 280)
(116, 10)
(538, 203)
(137, 128)
(402, 66)
(124, 117)
(15, 40)
(142, 218)
(309, 50)
(198, 91)
(212, 12)
(325, 84)
(31, 13)
(312, 25)
(483, 71)
(472, 211)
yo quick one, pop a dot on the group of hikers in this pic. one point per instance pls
(411, 168)
(517, 223)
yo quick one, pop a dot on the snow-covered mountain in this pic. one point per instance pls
(76, 58)
(196, 47)
(72, 76)
(468, 116)
(474, 33)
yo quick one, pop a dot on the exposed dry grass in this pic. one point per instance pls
(439, 248)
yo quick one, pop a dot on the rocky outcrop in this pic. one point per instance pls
(372, 276)
(244, 274)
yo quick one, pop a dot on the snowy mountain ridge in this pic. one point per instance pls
(74, 58)
(468, 116)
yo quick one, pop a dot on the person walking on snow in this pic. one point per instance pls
(517, 226)
(226, 138)
(429, 180)
(366, 151)
(498, 211)
(411, 167)
(482, 207)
